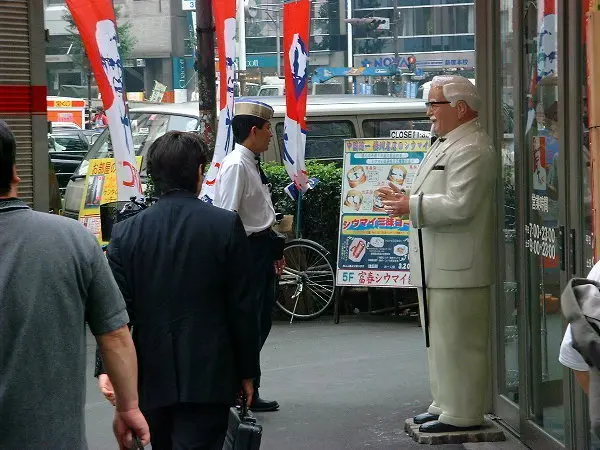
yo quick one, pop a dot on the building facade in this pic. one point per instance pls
(263, 28)
(531, 69)
(23, 95)
(161, 31)
(439, 33)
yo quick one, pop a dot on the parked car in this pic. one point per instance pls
(55, 200)
(67, 147)
(56, 126)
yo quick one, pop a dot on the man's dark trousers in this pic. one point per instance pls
(188, 426)
(264, 285)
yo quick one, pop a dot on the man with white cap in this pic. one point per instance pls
(242, 186)
(452, 202)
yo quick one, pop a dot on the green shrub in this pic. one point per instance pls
(320, 213)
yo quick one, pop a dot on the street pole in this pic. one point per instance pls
(349, 49)
(242, 46)
(278, 25)
(396, 52)
(205, 66)
(89, 86)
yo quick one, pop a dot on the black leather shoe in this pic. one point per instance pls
(425, 417)
(439, 427)
(260, 405)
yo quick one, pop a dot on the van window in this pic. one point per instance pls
(268, 91)
(325, 140)
(380, 128)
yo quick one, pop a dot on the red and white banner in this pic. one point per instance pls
(96, 22)
(296, 29)
(226, 25)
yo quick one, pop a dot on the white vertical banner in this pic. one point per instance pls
(96, 23)
(226, 27)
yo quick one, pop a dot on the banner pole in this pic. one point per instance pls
(298, 214)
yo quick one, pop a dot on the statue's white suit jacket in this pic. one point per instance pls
(455, 211)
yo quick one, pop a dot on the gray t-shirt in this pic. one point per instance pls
(53, 278)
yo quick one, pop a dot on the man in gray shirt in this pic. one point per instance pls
(54, 278)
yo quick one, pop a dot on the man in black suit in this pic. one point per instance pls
(181, 266)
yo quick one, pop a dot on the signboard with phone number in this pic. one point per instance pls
(373, 247)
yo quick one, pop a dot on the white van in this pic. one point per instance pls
(330, 120)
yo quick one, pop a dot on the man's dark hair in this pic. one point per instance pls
(8, 157)
(241, 126)
(173, 161)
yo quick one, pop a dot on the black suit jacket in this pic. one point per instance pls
(182, 267)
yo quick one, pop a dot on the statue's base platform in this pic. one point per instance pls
(488, 432)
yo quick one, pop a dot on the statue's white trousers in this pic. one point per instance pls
(459, 363)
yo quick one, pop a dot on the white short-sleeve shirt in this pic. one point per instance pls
(239, 188)
(568, 356)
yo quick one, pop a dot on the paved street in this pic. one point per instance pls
(347, 386)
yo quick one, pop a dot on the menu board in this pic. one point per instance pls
(373, 247)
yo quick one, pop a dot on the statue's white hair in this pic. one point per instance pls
(457, 88)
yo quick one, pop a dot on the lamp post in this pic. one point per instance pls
(392, 85)
(268, 9)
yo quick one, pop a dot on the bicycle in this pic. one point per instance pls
(307, 285)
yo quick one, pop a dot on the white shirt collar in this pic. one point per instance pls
(245, 151)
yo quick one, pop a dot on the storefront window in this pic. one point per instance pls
(543, 228)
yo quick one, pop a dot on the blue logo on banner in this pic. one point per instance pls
(299, 65)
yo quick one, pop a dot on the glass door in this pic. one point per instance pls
(581, 234)
(509, 253)
(545, 232)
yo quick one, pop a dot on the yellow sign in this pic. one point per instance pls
(100, 188)
(63, 103)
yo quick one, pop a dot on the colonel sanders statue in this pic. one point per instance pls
(451, 201)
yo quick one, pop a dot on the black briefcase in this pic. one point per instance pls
(243, 433)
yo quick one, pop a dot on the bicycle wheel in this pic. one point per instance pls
(307, 285)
